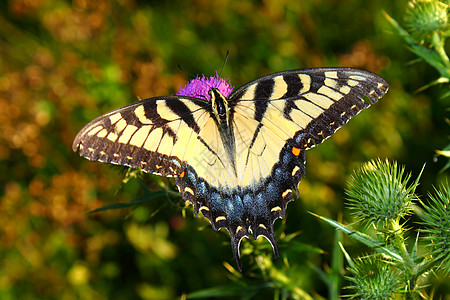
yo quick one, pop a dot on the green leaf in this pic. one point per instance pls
(440, 80)
(363, 238)
(133, 202)
(347, 256)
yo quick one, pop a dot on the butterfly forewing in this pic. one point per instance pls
(145, 134)
(308, 105)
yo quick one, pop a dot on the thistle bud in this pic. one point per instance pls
(372, 278)
(425, 17)
(200, 86)
(379, 192)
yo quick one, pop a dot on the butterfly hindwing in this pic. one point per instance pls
(240, 177)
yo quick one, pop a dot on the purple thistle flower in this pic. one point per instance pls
(200, 86)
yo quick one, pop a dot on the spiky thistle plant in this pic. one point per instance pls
(382, 195)
(372, 280)
(436, 220)
(423, 19)
(199, 87)
(379, 192)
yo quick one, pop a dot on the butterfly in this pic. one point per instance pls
(238, 155)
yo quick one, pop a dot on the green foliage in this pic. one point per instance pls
(427, 19)
(428, 29)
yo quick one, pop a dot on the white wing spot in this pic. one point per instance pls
(331, 74)
(115, 117)
(352, 82)
(220, 218)
(127, 133)
(102, 133)
(320, 100)
(140, 114)
(189, 190)
(276, 208)
(279, 88)
(345, 89)
(140, 136)
(286, 192)
(333, 94)
(294, 171)
(153, 139)
(112, 136)
(306, 83)
(331, 83)
(204, 208)
(121, 125)
(164, 110)
(311, 109)
(357, 77)
(95, 130)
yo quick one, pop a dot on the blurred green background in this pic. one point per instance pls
(63, 63)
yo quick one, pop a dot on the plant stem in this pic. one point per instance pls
(438, 43)
(410, 266)
(400, 244)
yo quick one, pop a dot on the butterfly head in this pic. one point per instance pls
(219, 102)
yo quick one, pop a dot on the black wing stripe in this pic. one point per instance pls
(263, 91)
(185, 114)
(294, 85)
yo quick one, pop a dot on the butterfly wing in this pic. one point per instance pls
(158, 135)
(276, 118)
(307, 106)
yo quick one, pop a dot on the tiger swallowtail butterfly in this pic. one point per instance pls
(237, 156)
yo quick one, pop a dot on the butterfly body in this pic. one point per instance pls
(239, 157)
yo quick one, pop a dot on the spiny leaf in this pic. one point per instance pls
(363, 238)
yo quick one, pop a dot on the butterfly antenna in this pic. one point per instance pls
(224, 63)
(182, 69)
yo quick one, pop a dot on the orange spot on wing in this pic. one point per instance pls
(182, 174)
(296, 151)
